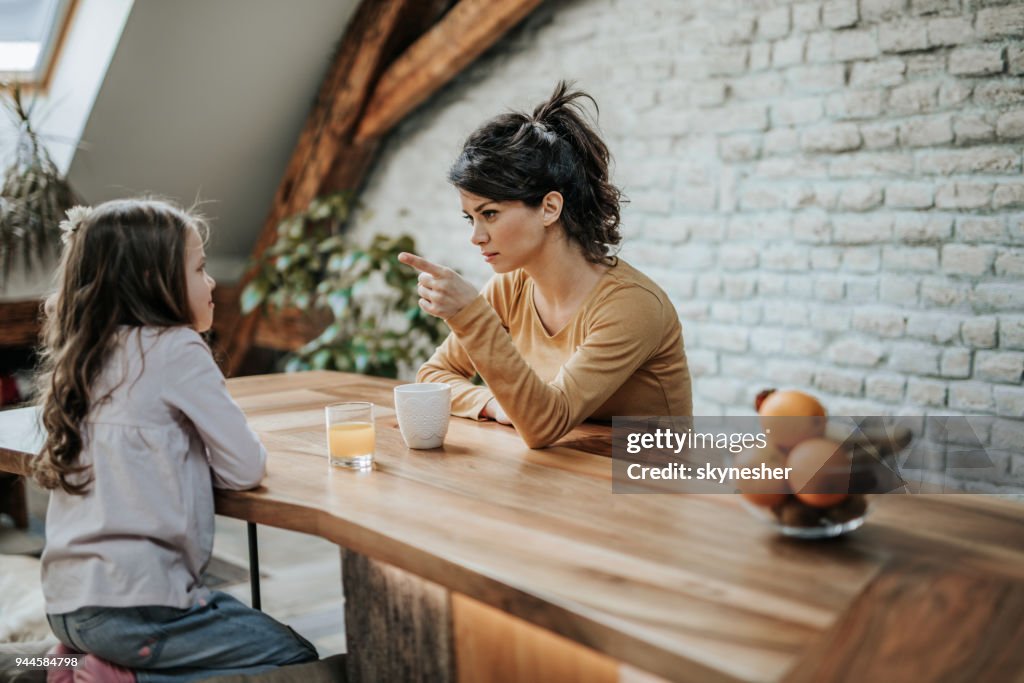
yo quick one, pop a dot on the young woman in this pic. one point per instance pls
(563, 332)
(140, 429)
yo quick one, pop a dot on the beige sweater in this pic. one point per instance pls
(620, 354)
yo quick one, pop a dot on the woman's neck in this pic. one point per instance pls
(561, 272)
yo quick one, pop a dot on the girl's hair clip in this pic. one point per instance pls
(76, 215)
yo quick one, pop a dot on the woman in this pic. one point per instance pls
(563, 332)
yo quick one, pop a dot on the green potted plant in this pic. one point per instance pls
(34, 195)
(369, 299)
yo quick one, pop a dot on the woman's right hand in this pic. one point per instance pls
(493, 410)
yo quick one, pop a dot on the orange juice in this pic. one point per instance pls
(351, 440)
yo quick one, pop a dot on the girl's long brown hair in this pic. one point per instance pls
(124, 264)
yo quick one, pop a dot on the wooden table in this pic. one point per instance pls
(464, 563)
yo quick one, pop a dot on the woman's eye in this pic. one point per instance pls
(467, 218)
(489, 214)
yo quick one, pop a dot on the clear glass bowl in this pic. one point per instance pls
(793, 518)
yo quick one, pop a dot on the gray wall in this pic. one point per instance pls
(830, 192)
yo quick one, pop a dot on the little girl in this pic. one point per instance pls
(140, 429)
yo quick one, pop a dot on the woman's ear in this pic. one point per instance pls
(551, 207)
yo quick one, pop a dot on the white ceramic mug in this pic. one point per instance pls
(423, 412)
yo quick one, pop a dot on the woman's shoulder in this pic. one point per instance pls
(625, 280)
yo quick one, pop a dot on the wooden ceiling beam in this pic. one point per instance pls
(465, 32)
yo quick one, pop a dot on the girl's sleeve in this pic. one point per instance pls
(196, 387)
(623, 332)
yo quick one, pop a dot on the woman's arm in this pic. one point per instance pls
(450, 364)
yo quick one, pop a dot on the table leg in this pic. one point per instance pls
(254, 566)
(398, 626)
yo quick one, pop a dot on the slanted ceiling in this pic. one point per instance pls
(206, 99)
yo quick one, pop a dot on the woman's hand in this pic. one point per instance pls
(443, 292)
(493, 410)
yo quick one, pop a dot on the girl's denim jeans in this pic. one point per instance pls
(161, 644)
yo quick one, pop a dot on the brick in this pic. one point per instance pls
(1016, 225)
(725, 312)
(966, 195)
(780, 141)
(804, 343)
(727, 61)
(839, 13)
(786, 313)
(926, 392)
(944, 31)
(831, 319)
(955, 363)
(739, 286)
(785, 257)
(823, 196)
(736, 30)
(937, 328)
(807, 16)
(913, 259)
(868, 229)
(840, 137)
(973, 128)
(914, 98)
(863, 197)
(850, 45)
(707, 94)
(1005, 367)
(1008, 195)
(1015, 59)
(861, 290)
(1010, 263)
(1009, 403)
(887, 387)
(796, 111)
(953, 94)
(971, 396)
(756, 86)
(855, 104)
(789, 373)
(898, 290)
(811, 227)
(980, 229)
(774, 23)
(879, 135)
(999, 297)
(1010, 125)
(760, 56)
(973, 160)
(817, 78)
(861, 259)
(740, 147)
(818, 48)
(871, 164)
(916, 227)
(909, 195)
(788, 52)
(702, 362)
(999, 93)
(926, 64)
(933, 6)
(1000, 22)
(839, 382)
(976, 61)
(883, 72)
(880, 322)
(878, 10)
(979, 332)
(905, 36)
(737, 257)
(826, 258)
(709, 285)
(829, 288)
(863, 353)
(914, 358)
(1009, 435)
(944, 293)
(927, 132)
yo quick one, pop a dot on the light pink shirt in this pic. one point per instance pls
(169, 433)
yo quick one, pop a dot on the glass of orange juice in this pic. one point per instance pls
(350, 434)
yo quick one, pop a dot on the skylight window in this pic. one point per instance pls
(30, 33)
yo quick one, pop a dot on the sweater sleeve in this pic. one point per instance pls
(623, 331)
(196, 387)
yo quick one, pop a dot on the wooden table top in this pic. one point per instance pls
(688, 587)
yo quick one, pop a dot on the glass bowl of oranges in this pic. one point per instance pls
(831, 467)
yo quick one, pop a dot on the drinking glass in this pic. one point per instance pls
(350, 434)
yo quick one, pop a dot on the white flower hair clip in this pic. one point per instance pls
(76, 215)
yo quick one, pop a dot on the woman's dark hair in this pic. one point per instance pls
(516, 156)
(123, 264)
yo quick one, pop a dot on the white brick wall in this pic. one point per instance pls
(829, 191)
